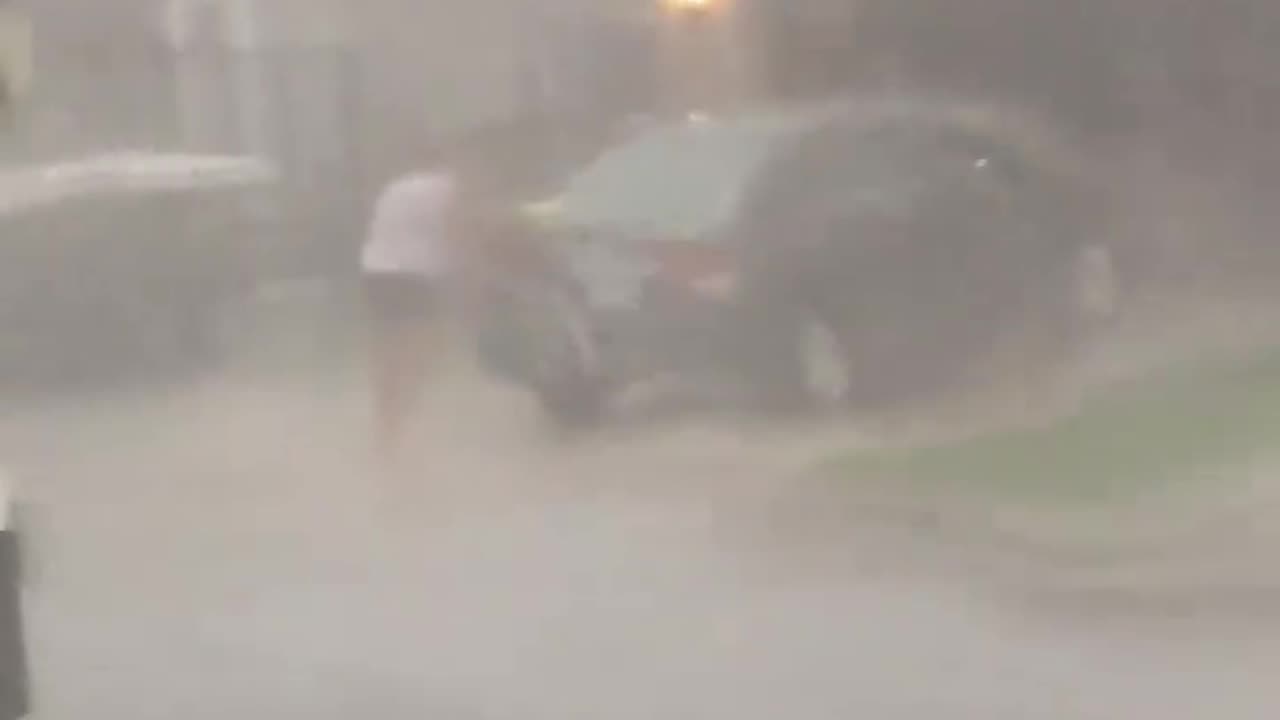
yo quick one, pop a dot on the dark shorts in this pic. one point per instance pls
(398, 299)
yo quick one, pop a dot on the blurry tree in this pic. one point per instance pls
(1193, 83)
(1100, 66)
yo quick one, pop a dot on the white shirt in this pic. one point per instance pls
(409, 230)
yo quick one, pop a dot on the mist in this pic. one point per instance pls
(761, 358)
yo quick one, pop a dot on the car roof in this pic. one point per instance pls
(678, 180)
(682, 180)
(124, 173)
(1016, 131)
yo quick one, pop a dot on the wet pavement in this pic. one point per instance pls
(227, 553)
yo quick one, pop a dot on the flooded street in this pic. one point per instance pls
(225, 553)
(875, 206)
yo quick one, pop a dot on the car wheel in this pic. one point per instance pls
(796, 361)
(537, 337)
(567, 376)
(912, 324)
(1095, 284)
(572, 403)
(824, 365)
(1080, 294)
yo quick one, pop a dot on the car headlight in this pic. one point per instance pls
(690, 7)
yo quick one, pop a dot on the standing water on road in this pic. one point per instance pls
(1034, 238)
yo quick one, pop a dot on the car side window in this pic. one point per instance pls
(847, 173)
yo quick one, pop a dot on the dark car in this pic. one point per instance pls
(115, 266)
(860, 252)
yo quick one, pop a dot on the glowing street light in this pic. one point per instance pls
(690, 7)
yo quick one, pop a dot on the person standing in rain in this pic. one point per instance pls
(405, 263)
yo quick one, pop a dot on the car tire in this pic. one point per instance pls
(572, 404)
(796, 361)
(1080, 302)
(572, 393)
(913, 317)
(548, 347)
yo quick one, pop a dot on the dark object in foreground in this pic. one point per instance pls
(868, 253)
(15, 698)
(14, 690)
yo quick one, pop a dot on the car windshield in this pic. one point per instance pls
(677, 182)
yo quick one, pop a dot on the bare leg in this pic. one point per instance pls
(399, 372)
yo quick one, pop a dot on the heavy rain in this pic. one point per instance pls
(612, 359)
